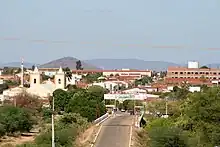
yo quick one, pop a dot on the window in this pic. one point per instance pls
(35, 81)
(59, 81)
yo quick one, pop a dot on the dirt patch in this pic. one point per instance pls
(13, 141)
(87, 137)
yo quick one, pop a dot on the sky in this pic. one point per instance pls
(152, 30)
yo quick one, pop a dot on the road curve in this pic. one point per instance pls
(115, 132)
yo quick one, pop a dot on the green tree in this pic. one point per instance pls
(206, 67)
(90, 78)
(33, 67)
(180, 93)
(3, 87)
(143, 81)
(14, 119)
(200, 113)
(71, 87)
(79, 65)
(97, 91)
(162, 133)
(87, 105)
(68, 72)
(45, 77)
(61, 99)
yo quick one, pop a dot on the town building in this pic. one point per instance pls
(193, 74)
(121, 73)
(48, 71)
(111, 85)
(42, 89)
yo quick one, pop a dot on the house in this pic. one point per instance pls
(111, 85)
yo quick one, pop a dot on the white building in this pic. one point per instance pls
(123, 97)
(43, 90)
(111, 85)
(72, 81)
(127, 72)
(47, 88)
(134, 91)
(48, 71)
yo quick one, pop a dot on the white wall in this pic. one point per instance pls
(50, 73)
(170, 88)
(193, 64)
(108, 85)
(135, 90)
(128, 73)
(194, 89)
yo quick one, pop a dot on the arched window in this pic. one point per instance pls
(59, 81)
(35, 81)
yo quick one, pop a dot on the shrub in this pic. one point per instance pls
(14, 119)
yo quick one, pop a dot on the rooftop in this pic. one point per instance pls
(191, 69)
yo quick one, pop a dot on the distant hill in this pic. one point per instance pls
(16, 64)
(131, 64)
(67, 62)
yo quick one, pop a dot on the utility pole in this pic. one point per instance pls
(166, 108)
(22, 72)
(53, 136)
(134, 105)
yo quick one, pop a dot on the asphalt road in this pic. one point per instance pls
(115, 132)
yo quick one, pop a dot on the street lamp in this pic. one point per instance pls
(53, 136)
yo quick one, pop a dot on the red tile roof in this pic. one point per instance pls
(189, 80)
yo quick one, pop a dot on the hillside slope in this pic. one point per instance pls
(66, 62)
(131, 64)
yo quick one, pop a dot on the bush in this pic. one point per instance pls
(47, 112)
(64, 137)
(14, 119)
(167, 137)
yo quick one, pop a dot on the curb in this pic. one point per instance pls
(103, 120)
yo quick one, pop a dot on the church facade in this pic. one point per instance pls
(43, 90)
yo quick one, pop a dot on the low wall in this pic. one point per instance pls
(103, 117)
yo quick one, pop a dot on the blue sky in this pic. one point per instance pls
(165, 30)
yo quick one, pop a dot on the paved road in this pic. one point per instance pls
(115, 132)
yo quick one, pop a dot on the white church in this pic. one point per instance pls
(38, 88)
(48, 87)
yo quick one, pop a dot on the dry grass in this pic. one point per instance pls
(13, 141)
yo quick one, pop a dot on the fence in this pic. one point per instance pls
(102, 118)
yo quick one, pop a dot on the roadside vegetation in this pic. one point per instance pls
(75, 110)
(193, 120)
